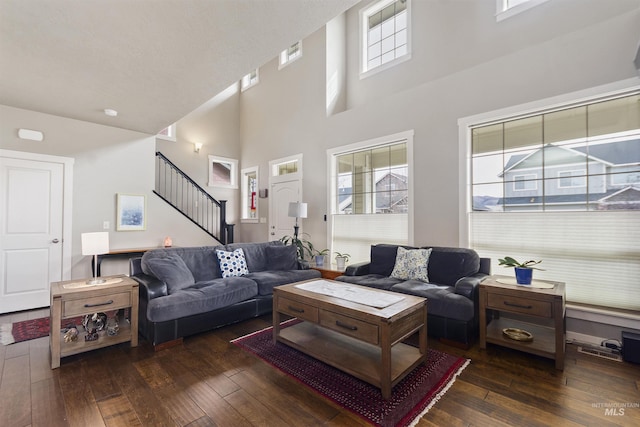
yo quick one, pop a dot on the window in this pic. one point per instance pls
(508, 8)
(524, 183)
(582, 217)
(250, 194)
(570, 179)
(168, 133)
(290, 54)
(385, 34)
(249, 80)
(370, 194)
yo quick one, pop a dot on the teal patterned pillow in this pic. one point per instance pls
(411, 264)
(232, 263)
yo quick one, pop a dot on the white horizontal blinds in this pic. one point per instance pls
(354, 234)
(597, 254)
(564, 186)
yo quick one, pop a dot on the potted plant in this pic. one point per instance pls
(524, 270)
(320, 254)
(341, 260)
(302, 246)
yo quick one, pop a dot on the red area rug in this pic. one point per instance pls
(30, 329)
(410, 400)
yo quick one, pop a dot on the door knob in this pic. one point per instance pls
(55, 241)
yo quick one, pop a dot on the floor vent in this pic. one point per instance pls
(604, 353)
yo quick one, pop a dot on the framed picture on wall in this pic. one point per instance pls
(223, 172)
(131, 212)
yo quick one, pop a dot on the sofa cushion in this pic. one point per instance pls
(441, 300)
(267, 280)
(282, 257)
(202, 297)
(171, 270)
(448, 265)
(383, 259)
(232, 263)
(255, 253)
(411, 264)
(201, 261)
(377, 281)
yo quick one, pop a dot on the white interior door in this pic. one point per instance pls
(31, 232)
(280, 223)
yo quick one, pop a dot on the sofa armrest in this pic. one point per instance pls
(357, 269)
(467, 286)
(150, 287)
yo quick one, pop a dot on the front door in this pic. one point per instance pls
(31, 231)
(283, 193)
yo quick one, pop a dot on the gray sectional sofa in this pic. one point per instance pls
(449, 281)
(183, 291)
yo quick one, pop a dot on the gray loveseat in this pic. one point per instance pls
(451, 290)
(182, 291)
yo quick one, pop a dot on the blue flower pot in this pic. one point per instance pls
(523, 275)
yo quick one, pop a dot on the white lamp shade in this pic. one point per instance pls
(297, 210)
(95, 243)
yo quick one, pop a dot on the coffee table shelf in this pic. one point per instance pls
(348, 354)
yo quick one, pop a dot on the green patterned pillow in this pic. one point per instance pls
(411, 264)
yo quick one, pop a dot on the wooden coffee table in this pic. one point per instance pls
(359, 339)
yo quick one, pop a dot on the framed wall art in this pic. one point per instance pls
(223, 172)
(131, 212)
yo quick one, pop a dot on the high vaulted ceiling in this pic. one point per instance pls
(153, 61)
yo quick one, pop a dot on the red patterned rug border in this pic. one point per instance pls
(410, 419)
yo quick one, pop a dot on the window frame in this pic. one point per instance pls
(171, 133)
(503, 11)
(285, 59)
(245, 196)
(573, 173)
(247, 83)
(364, 15)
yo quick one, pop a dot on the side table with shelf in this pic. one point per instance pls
(540, 311)
(73, 298)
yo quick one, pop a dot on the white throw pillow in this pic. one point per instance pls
(232, 263)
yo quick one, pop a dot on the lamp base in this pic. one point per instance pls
(96, 281)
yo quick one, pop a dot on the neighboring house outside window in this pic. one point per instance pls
(290, 54)
(385, 34)
(168, 133)
(249, 80)
(249, 194)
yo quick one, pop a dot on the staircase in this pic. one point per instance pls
(176, 188)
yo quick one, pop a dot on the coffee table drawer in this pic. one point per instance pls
(96, 304)
(298, 309)
(348, 326)
(519, 305)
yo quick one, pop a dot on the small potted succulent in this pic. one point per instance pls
(341, 260)
(320, 254)
(524, 270)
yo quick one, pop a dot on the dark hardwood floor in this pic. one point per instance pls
(209, 382)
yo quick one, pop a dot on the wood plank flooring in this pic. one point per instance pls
(209, 382)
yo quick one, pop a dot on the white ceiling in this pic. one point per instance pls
(153, 61)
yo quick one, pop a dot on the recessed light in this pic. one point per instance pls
(111, 113)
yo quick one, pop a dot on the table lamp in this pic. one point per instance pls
(297, 210)
(95, 244)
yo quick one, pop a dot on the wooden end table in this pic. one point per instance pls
(540, 311)
(329, 271)
(73, 298)
(358, 339)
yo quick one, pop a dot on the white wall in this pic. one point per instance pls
(463, 63)
(108, 160)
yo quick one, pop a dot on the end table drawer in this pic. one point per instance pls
(96, 304)
(519, 305)
(348, 326)
(298, 309)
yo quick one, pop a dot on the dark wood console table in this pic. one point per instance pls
(119, 253)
